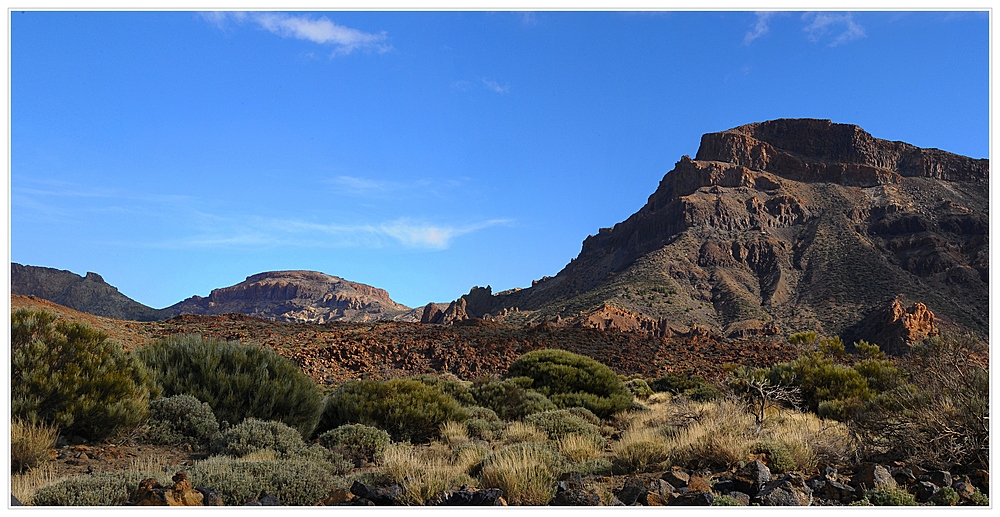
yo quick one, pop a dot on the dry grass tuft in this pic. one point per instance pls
(519, 432)
(30, 444)
(454, 433)
(522, 473)
(23, 486)
(579, 447)
(638, 448)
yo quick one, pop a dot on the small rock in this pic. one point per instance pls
(698, 484)
(210, 497)
(676, 477)
(338, 496)
(633, 491)
(925, 490)
(576, 497)
(938, 477)
(14, 501)
(836, 491)
(693, 499)
(468, 497)
(743, 499)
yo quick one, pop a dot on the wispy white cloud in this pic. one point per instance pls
(319, 30)
(841, 25)
(405, 232)
(356, 185)
(528, 18)
(495, 86)
(760, 27)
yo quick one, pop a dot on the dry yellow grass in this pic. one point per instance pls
(519, 432)
(30, 444)
(424, 473)
(522, 474)
(454, 433)
(579, 447)
(640, 447)
(24, 485)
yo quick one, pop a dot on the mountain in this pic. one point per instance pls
(298, 296)
(294, 296)
(777, 227)
(88, 293)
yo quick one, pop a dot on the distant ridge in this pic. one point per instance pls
(90, 293)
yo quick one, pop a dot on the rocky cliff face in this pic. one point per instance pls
(796, 224)
(297, 296)
(90, 293)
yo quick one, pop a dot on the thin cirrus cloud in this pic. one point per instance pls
(841, 27)
(319, 30)
(255, 232)
(495, 86)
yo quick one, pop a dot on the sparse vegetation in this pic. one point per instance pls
(181, 419)
(356, 442)
(30, 444)
(254, 435)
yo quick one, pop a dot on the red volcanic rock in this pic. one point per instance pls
(896, 327)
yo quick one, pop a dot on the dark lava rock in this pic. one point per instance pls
(488, 497)
(788, 490)
(752, 478)
(693, 499)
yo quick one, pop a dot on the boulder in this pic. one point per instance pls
(938, 477)
(698, 484)
(633, 491)
(925, 490)
(380, 496)
(834, 491)
(872, 476)
(788, 490)
(265, 500)
(576, 497)
(752, 478)
(340, 496)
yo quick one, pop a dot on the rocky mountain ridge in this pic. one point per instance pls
(791, 224)
(295, 296)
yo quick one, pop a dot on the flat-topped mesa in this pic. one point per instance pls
(288, 285)
(819, 150)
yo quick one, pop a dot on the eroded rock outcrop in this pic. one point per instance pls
(896, 326)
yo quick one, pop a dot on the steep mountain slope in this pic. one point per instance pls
(89, 293)
(785, 225)
(299, 296)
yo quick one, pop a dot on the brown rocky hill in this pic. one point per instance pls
(776, 227)
(89, 293)
(300, 296)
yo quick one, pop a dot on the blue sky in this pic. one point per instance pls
(423, 152)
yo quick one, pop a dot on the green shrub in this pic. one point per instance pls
(820, 380)
(947, 496)
(294, 482)
(407, 409)
(253, 435)
(561, 422)
(98, 489)
(639, 388)
(181, 419)
(237, 381)
(509, 398)
(333, 461)
(779, 458)
(693, 387)
(356, 442)
(70, 376)
(451, 385)
(890, 496)
(979, 499)
(569, 380)
(483, 423)
(725, 500)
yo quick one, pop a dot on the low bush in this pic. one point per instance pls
(449, 384)
(295, 482)
(693, 387)
(237, 381)
(71, 376)
(561, 422)
(725, 500)
(30, 444)
(98, 489)
(947, 496)
(979, 499)
(407, 409)
(779, 459)
(890, 496)
(253, 435)
(639, 388)
(570, 380)
(356, 442)
(483, 423)
(333, 461)
(181, 419)
(509, 398)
